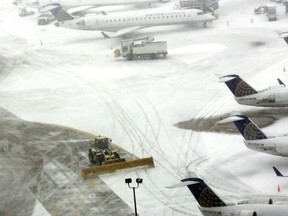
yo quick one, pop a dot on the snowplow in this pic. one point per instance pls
(104, 157)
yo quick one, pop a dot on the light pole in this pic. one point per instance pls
(138, 181)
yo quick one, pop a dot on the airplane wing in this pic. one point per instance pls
(80, 8)
(120, 32)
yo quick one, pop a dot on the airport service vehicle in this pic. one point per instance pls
(45, 18)
(102, 152)
(142, 47)
(104, 155)
(256, 140)
(271, 12)
(121, 23)
(22, 11)
(276, 96)
(210, 204)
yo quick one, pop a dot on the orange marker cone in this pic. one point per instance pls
(278, 188)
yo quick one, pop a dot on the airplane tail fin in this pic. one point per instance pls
(202, 193)
(278, 173)
(57, 11)
(246, 127)
(237, 86)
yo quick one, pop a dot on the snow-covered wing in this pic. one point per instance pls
(120, 32)
(80, 8)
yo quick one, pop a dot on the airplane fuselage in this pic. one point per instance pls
(275, 146)
(272, 97)
(122, 20)
(246, 209)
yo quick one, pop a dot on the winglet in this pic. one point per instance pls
(284, 35)
(105, 35)
(280, 82)
(278, 173)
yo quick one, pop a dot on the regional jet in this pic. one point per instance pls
(120, 23)
(278, 173)
(210, 204)
(244, 94)
(256, 140)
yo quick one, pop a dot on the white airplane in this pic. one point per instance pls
(67, 4)
(211, 205)
(278, 173)
(120, 23)
(276, 96)
(256, 140)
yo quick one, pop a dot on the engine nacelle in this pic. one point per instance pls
(282, 148)
(245, 213)
(260, 201)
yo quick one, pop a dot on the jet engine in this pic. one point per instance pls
(282, 148)
(245, 213)
(261, 201)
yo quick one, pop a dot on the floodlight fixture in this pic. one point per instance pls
(128, 180)
(139, 180)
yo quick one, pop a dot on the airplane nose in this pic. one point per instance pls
(57, 24)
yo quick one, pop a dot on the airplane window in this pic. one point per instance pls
(132, 18)
(114, 20)
(176, 16)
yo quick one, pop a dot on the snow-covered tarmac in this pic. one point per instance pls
(70, 78)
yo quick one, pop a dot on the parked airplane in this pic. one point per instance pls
(278, 173)
(276, 96)
(256, 140)
(120, 23)
(212, 205)
(77, 3)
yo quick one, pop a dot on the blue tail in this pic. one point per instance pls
(57, 10)
(203, 194)
(248, 129)
(237, 86)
